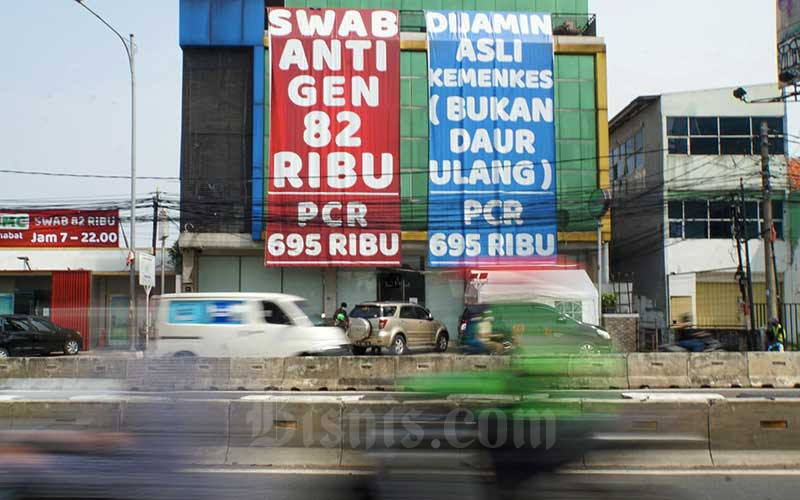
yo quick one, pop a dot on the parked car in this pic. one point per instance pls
(396, 326)
(536, 328)
(23, 335)
(241, 325)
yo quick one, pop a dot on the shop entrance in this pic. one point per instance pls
(401, 286)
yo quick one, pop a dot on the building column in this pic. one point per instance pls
(189, 270)
(329, 291)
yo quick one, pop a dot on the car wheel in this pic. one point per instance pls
(587, 348)
(442, 342)
(71, 347)
(359, 350)
(399, 345)
(4, 353)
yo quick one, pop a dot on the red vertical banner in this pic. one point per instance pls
(334, 170)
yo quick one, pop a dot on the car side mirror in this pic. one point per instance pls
(430, 317)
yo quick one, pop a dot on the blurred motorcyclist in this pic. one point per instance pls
(340, 317)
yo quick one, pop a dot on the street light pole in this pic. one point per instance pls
(766, 230)
(129, 51)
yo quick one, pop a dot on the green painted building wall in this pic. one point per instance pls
(576, 114)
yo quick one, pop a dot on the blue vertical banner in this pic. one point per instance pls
(492, 179)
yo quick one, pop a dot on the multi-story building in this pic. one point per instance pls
(676, 165)
(225, 142)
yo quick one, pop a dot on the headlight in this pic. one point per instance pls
(602, 334)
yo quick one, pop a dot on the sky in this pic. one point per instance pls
(65, 85)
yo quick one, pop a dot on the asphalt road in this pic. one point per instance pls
(726, 485)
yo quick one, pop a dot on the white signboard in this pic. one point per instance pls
(147, 269)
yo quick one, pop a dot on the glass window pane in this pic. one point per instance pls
(704, 146)
(679, 146)
(778, 229)
(639, 160)
(638, 140)
(721, 229)
(734, 126)
(675, 210)
(703, 126)
(777, 209)
(752, 230)
(751, 209)
(677, 125)
(40, 326)
(676, 229)
(630, 164)
(775, 125)
(697, 230)
(735, 146)
(776, 146)
(720, 210)
(696, 209)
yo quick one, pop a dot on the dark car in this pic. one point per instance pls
(536, 328)
(23, 335)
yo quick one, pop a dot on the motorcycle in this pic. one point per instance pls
(697, 342)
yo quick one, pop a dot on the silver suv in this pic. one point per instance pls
(396, 326)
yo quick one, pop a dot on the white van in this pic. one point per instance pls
(240, 325)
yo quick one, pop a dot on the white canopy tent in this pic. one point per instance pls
(544, 287)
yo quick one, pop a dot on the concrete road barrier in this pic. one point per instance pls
(65, 415)
(285, 432)
(56, 367)
(13, 368)
(538, 373)
(182, 374)
(614, 371)
(373, 373)
(773, 369)
(196, 429)
(658, 370)
(102, 368)
(256, 374)
(400, 428)
(650, 434)
(412, 366)
(755, 433)
(480, 363)
(310, 374)
(718, 369)
(598, 371)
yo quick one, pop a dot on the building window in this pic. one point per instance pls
(678, 146)
(693, 219)
(704, 146)
(572, 310)
(736, 135)
(628, 156)
(638, 144)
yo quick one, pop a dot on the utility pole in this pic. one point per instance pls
(163, 234)
(740, 272)
(155, 220)
(766, 231)
(749, 269)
